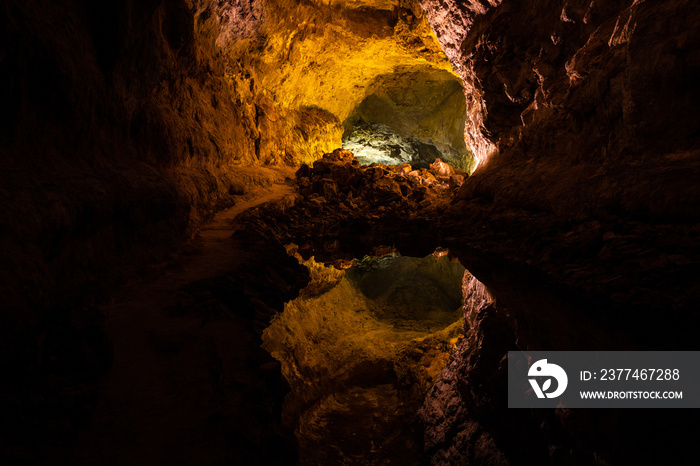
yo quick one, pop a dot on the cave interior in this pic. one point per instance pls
(279, 232)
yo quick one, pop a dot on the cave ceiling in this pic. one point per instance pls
(296, 56)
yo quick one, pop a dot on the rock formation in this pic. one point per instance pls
(126, 125)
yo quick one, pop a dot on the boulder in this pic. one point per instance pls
(404, 169)
(456, 181)
(326, 188)
(440, 168)
(375, 172)
(386, 190)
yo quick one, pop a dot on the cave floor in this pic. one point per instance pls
(159, 403)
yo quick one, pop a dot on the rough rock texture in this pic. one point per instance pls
(453, 433)
(347, 210)
(576, 222)
(584, 122)
(590, 108)
(325, 56)
(361, 356)
(237, 19)
(588, 104)
(125, 124)
(375, 143)
(419, 103)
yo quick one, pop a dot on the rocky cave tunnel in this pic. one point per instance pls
(236, 232)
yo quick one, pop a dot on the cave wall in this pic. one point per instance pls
(583, 120)
(593, 174)
(311, 63)
(579, 107)
(589, 111)
(119, 133)
(125, 125)
(119, 137)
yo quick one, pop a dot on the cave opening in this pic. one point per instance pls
(360, 348)
(414, 115)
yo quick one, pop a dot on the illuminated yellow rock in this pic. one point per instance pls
(310, 66)
(361, 356)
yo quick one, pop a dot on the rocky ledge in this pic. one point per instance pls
(345, 210)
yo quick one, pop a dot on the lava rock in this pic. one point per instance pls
(440, 168)
(456, 181)
(386, 190)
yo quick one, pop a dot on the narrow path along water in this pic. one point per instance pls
(162, 401)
